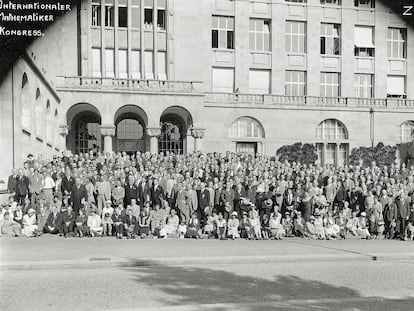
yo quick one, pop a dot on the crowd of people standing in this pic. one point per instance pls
(213, 195)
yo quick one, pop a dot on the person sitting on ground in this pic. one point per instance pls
(310, 230)
(299, 225)
(18, 214)
(209, 227)
(107, 222)
(172, 223)
(320, 230)
(117, 219)
(363, 231)
(233, 226)
(182, 228)
(245, 229)
(29, 223)
(278, 232)
(193, 227)
(352, 224)
(331, 228)
(68, 222)
(94, 223)
(221, 226)
(255, 225)
(42, 217)
(8, 227)
(81, 223)
(341, 222)
(288, 225)
(143, 223)
(265, 227)
(54, 221)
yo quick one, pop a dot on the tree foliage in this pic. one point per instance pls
(305, 154)
(381, 154)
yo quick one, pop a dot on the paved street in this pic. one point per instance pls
(221, 275)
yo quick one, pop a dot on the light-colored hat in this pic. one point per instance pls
(234, 213)
(109, 201)
(31, 210)
(363, 214)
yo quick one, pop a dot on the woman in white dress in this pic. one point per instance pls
(172, 223)
(276, 227)
(29, 223)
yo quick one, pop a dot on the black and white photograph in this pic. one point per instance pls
(207, 155)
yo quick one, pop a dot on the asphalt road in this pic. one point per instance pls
(313, 285)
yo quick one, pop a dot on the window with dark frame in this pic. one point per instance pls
(330, 39)
(365, 3)
(96, 13)
(222, 32)
(109, 14)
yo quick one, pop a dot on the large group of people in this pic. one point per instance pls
(213, 195)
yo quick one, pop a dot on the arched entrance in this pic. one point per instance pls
(130, 133)
(84, 122)
(174, 124)
(248, 134)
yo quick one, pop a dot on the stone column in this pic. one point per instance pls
(154, 133)
(198, 134)
(337, 154)
(108, 131)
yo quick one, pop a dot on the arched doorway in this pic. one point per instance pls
(248, 134)
(174, 124)
(130, 133)
(84, 134)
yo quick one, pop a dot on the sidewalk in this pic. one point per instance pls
(52, 251)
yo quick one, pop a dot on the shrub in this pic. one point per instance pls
(305, 154)
(381, 154)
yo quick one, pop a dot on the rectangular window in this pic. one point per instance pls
(96, 13)
(295, 83)
(330, 154)
(364, 41)
(222, 32)
(343, 154)
(330, 84)
(259, 81)
(96, 63)
(123, 63)
(122, 13)
(396, 86)
(259, 33)
(162, 65)
(135, 14)
(109, 13)
(136, 65)
(149, 65)
(331, 2)
(223, 80)
(365, 3)
(295, 37)
(161, 16)
(397, 43)
(330, 39)
(148, 15)
(364, 86)
(109, 63)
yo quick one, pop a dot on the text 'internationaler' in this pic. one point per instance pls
(9, 5)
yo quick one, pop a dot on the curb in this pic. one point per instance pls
(105, 263)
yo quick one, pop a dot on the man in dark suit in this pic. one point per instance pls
(203, 202)
(68, 222)
(12, 182)
(78, 196)
(144, 192)
(54, 222)
(22, 187)
(403, 211)
(157, 194)
(130, 224)
(67, 183)
(131, 191)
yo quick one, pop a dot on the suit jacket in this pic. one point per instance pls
(67, 184)
(204, 199)
(76, 197)
(403, 208)
(131, 192)
(157, 196)
(36, 184)
(144, 192)
(12, 184)
(54, 220)
(129, 221)
(68, 218)
(22, 185)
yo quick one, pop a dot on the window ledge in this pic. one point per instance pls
(330, 56)
(26, 132)
(38, 138)
(223, 50)
(261, 52)
(49, 145)
(295, 54)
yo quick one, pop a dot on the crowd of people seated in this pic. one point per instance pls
(213, 195)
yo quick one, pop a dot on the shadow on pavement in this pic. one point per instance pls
(193, 285)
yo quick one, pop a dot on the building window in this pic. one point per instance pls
(365, 3)
(122, 13)
(396, 86)
(96, 63)
(246, 127)
(136, 64)
(87, 134)
(259, 81)
(406, 131)
(259, 35)
(123, 63)
(109, 13)
(25, 103)
(297, 1)
(161, 22)
(295, 83)
(364, 86)
(330, 39)
(332, 146)
(364, 41)
(223, 80)
(39, 115)
(331, 2)
(295, 37)
(397, 43)
(173, 135)
(109, 63)
(129, 129)
(223, 32)
(162, 66)
(330, 84)
(149, 65)
(135, 14)
(148, 15)
(96, 13)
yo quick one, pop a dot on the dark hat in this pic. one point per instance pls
(30, 155)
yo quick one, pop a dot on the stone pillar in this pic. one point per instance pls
(337, 154)
(108, 131)
(153, 133)
(198, 134)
